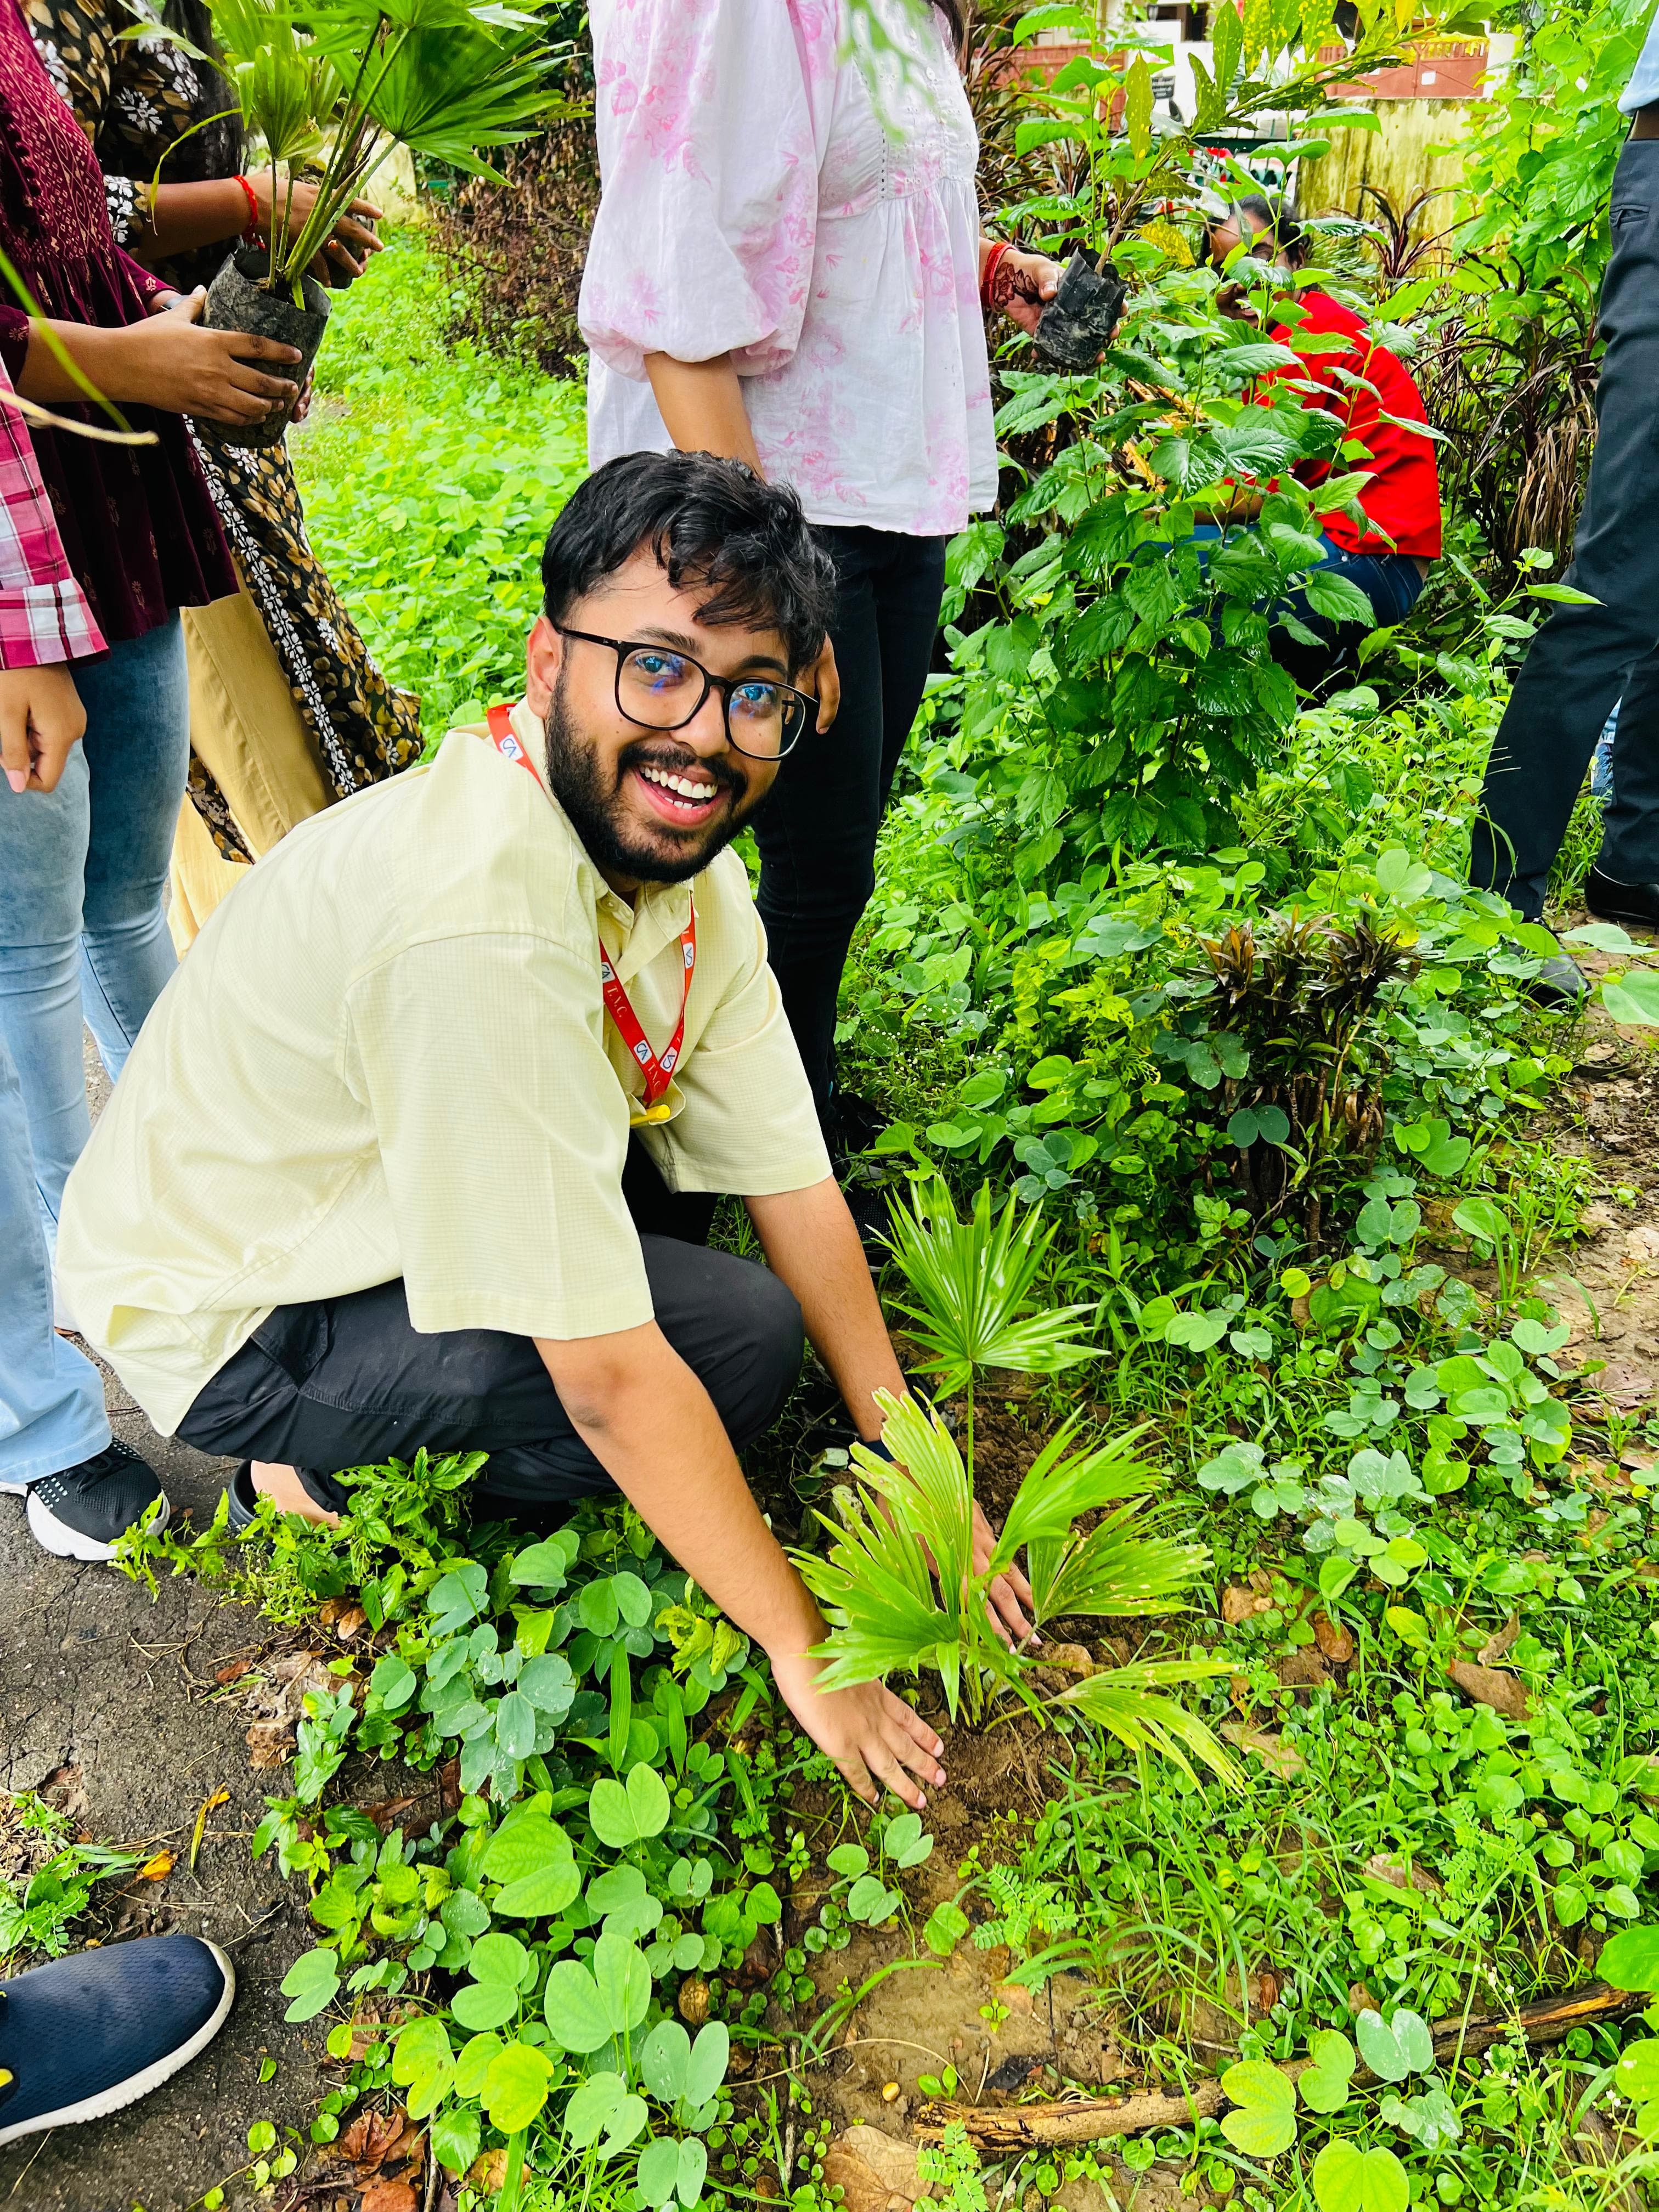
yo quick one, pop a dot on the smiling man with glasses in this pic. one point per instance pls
(421, 1144)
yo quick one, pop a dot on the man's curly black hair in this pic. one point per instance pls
(715, 527)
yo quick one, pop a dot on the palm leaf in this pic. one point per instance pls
(1119, 1567)
(970, 1280)
(1057, 1487)
(1123, 1700)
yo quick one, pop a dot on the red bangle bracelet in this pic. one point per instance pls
(254, 227)
(992, 260)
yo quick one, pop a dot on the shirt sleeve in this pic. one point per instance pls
(704, 239)
(749, 1125)
(43, 614)
(502, 1134)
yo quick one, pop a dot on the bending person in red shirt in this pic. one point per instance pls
(1371, 391)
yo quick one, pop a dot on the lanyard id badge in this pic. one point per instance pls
(658, 1070)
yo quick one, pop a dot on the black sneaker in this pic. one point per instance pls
(78, 1515)
(84, 2036)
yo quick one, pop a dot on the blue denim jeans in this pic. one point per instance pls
(82, 868)
(1391, 581)
(51, 1397)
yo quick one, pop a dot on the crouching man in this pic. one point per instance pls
(420, 1145)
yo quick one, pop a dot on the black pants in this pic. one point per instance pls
(1584, 658)
(817, 831)
(348, 1382)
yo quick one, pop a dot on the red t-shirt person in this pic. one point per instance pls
(1403, 495)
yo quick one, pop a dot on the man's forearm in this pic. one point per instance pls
(652, 1427)
(812, 1243)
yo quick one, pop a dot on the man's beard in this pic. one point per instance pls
(596, 812)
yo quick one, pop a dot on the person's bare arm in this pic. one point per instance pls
(652, 1427)
(168, 361)
(812, 1243)
(701, 402)
(182, 217)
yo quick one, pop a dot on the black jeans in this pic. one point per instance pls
(347, 1381)
(1584, 658)
(817, 831)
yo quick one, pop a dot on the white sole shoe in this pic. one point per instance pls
(140, 2084)
(63, 1542)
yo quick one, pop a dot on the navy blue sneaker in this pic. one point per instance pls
(84, 2036)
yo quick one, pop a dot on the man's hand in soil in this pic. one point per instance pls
(1009, 1593)
(872, 1737)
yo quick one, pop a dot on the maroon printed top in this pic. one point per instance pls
(136, 520)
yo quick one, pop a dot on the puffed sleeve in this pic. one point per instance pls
(706, 114)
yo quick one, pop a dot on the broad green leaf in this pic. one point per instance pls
(624, 1982)
(1263, 2121)
(1348, 2179)
(664, 2057)
(454, 2134)
(1634, 998)
(515, 2089)
(576, 2014)
(947, 1925)
(623, 1815)
(1629, 1960)
(311, 1982)
(485, 2004)
(1323, 2086)
(602, 2105)
(710, 2055)
(498, 1957)
(660, 2172)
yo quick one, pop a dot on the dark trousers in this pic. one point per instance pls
(348, 1382)
(817, 831)
(1584, 658)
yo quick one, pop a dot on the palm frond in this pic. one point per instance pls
(1057, 1487)
(1122, 1566)
(970, 1280)
(928, 1484)
(1124, 1701)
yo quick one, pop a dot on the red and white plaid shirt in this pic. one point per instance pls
(44, 615)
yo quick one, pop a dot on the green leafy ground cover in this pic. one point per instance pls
(1270, 1072)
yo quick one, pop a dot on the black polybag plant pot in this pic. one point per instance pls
(235, 301)
(1076, 326)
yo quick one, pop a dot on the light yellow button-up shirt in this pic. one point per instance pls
(387, 1055)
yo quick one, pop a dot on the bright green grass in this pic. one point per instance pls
(430, 474)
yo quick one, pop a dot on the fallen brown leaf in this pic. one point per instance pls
(234, 1672)
(1488, 1685)
(1498, 1645)
(389, 2197)
(1276, 1756)
(268, 1743)
(1333, 1639)
(1398, 1875)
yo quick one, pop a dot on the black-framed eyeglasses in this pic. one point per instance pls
(660, 689)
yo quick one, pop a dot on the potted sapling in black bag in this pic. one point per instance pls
(340, 85)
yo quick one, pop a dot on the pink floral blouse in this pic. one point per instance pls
(756, 202)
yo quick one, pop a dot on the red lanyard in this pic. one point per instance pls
(657, 1073)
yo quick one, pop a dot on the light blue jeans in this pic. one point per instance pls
(83, 931)
(52, 1396)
